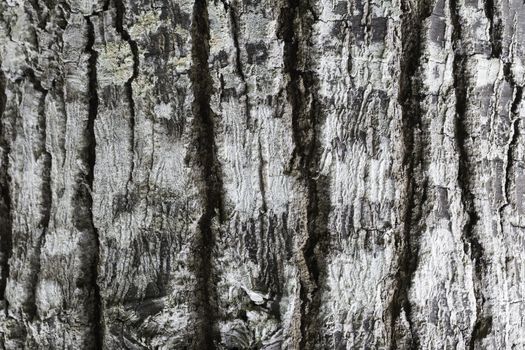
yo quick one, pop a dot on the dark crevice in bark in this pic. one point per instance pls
(119, 26)
(31, 307)
(5, 204)
(472, 246)
(514, 135)
(414, 147)
(510, 158)
(98, 329)
(262, 178)
(495, 28)
(295, 21)
(287, 33)
(205, 158)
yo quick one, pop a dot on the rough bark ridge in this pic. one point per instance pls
(273, 174)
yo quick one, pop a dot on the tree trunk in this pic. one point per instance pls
(270, 174)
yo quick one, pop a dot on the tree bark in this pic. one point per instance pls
(271, 174)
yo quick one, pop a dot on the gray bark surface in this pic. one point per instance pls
(270, 174)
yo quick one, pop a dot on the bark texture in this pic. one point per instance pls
(262, 174)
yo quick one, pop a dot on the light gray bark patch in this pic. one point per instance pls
(235, 30)
(40, 152)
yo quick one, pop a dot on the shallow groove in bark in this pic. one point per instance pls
(98, 330)
(119, 26)
(207, 163)
(291, 47)
(301, 89)
(5, 234)
(238, 62)
(409, 100)
(262, 178)
(510, 160)
(470, 240)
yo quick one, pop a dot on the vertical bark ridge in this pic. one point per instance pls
(296, 20)
(119, 26)
(98, 330)
(5, 202)
(414, 148)
(471, 242)
(32, 308)
(208, 165)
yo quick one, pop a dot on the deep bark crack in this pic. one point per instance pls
(495, 28)
(208, 164)
(414, 147)
(5, 192)
(515, 120)
(295, 23)
(262, 178)
(98, 330)
(119, 26)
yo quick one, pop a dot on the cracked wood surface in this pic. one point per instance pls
(272, 174)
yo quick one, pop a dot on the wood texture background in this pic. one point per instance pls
(262, 174)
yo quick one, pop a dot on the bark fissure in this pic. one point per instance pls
(494, 28)
(513, 137)
(6, 234)
(207, 163)
(472, 246)
(119, 26)
(294, 21)
(91, 157)
(414, 147)
(291, 48)
(262, 178)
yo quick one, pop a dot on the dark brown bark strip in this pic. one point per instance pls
(205, 153)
